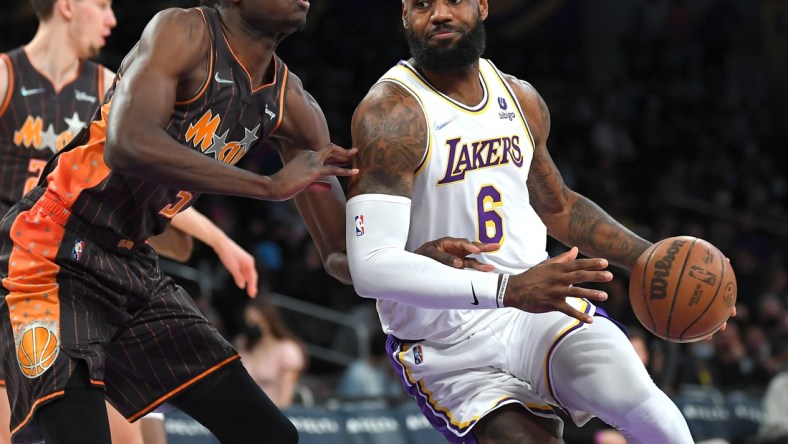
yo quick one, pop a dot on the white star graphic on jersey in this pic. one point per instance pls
(48, 139)
(74, 124)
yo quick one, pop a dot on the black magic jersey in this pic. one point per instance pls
(224, 120)
(36, 121)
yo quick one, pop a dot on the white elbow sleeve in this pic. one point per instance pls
(377, 232)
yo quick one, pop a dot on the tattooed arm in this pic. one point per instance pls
(570, 217)
(391, 132)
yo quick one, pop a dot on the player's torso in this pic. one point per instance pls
(471, 184)
(36, 121)
(224, 120)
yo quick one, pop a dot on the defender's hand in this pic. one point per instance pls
(305, 170)
(546, 286)
(453, 251)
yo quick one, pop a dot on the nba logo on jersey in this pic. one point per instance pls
(418, 355)
(360, 225)
(79, 247)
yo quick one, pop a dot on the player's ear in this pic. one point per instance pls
(404, 15)
(483, 11)
(64, 8)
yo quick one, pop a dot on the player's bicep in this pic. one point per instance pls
(169, 49)
(390, 131)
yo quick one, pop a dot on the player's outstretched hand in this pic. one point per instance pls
(453, 251)
(306, 169)
(239, 263)
(546, 286)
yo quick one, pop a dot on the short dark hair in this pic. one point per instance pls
(212, 3)
(43, 8)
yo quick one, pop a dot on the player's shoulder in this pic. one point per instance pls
(533, 105)
(521, 87)
(177, 25)
(388, 95)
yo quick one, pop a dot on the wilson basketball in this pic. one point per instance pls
(682, 289)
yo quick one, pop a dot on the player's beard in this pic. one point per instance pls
(445, 58)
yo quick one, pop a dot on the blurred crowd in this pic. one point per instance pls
(670, 114)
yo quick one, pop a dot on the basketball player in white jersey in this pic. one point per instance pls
(449, 145)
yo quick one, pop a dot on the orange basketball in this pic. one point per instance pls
(682, 289)
(37, 351)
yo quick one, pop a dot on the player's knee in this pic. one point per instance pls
(657, 419)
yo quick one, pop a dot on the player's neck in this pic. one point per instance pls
(461, 85)
(53, 56)
(253, 52)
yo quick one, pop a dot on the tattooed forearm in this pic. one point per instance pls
(546, 189)
(597, 234)
(391, 135)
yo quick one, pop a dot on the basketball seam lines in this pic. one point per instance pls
(645, 293)
(678, 285)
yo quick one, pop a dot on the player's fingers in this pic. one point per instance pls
(566, 256)
(335, 155)
(443, 257)
(460, 247)
(476, 265)
(577, 277)
(239, 279)
(733, 311)
(486, 248)
(569, 311)
(587, 293)
(586, 264)
(334, 170)
(251, 288)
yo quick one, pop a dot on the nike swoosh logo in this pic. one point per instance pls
(221, 80)
(439, 126)
(475, 299)
(29, 92)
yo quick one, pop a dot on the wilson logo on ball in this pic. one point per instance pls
(659, 285)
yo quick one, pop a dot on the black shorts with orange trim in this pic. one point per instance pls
(71, 294)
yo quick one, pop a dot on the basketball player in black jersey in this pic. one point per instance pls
(48, 91)
(86, 310)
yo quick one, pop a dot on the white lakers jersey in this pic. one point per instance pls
(471, 183)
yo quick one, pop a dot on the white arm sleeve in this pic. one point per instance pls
(377, 232)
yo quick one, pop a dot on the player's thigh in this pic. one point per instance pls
(123, 432)
(5, 417)
(153, 430)
(513, 423)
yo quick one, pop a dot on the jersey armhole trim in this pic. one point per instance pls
(211, 50)
(10, 92)
(282, 93)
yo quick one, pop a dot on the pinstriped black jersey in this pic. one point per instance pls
(224, 120)
(36, 121)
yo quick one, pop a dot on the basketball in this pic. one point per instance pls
(682, 289)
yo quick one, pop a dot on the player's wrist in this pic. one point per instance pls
(503, 280)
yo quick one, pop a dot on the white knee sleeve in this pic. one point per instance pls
(597, 371)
